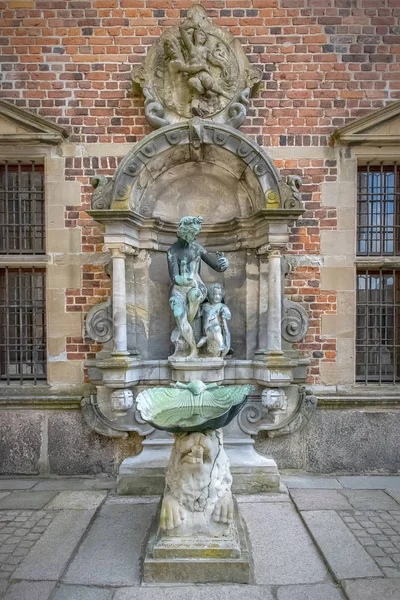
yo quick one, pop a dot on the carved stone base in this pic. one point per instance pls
(207, 370)
(197, 559)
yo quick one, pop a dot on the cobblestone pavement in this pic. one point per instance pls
(19, 531)
(378, 531)
(324, 538)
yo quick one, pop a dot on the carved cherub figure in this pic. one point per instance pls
(217, 338)
(199, 55)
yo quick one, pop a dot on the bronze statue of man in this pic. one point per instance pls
(188, 290)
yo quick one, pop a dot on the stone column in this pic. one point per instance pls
(274, 316)
(118, 255)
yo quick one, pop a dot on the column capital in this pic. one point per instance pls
(271, 249)
(120, 250)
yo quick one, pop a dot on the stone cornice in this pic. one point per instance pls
(363, 131)
(37, 129)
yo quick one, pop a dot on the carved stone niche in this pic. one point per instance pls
(196, 69)
(209, 169)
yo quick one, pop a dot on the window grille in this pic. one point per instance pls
(378, 326)
(378, 211)
(21, 208)
(22, 325)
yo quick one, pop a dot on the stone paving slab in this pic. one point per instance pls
(26, 500)
(303, 482)
(370, 500)
(17, 484)
(50, 555)
(370, 482)
(77, 500)
(198, 592)
(81, 592)
(344, 554)
(395, 494)
(318, 591)
(70, 483)
(30, 590)
(111, 499)
(282, 550)
(76, 483)
(320, 500)
(373, 589)
(111, 552)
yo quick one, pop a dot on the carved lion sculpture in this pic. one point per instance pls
(197, 497)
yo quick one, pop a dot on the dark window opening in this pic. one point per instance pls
(22, 217)
(378, 211)
(378, 326)
(22, 325)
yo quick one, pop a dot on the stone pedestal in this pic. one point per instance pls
(197, 559)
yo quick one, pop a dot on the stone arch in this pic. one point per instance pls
(229, 175)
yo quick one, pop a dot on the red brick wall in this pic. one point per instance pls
(324, 63)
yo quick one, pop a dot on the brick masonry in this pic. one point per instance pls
(324, 64)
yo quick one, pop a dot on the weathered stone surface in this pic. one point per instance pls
(287, 450)
(367, 589)
(336, 441)
(30, 590)
(278, 538)
(70, 500)
(26, 500)
(74, 449)
(310, 482)
(225, 592)
(17, 484)
(370, 482)
(111, 552)
(370, 500)
(20, 442)
(49, 557)
(345, 556)
(319, 500)
(80, 592)
(318, 591)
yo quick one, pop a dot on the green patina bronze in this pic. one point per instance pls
(195, 406)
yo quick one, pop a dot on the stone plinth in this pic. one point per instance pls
(197, 559)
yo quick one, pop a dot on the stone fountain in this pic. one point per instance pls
(197, 535)
(197, 309)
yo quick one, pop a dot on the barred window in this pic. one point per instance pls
(21, 208)
(378, 286)
(378, 211)
(22, 289)
(378, 326)
(22, 324)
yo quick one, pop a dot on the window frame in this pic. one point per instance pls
(378, 263)
(29, 260)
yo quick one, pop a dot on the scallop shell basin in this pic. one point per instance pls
(194, 407)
